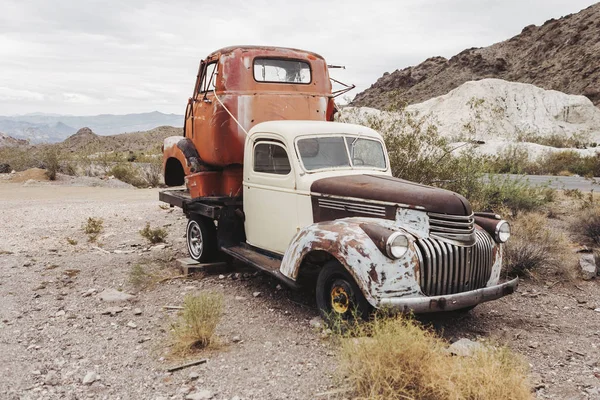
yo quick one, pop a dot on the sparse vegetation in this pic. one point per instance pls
(128, 174)
(93, 227)
(516, 160)
(138, 276)
(586, 225)
(515, 194)
(536, 250)
(51, 161)
(154, 235)
(394, 358)
(197, 323)
(72, 242)
(418, 153)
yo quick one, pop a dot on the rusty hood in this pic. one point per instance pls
(393, 190)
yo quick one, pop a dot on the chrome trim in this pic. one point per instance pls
(453, 229)
(421, 305)
(390, 240)
(497, 231)
(360, 208)
(447, 268)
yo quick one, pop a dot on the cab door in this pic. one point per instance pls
(201, 108)
(269, 196)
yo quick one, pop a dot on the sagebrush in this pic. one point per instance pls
(195, 328)
(93, 227)
(535, 250)
(154, 235)
(396, 359)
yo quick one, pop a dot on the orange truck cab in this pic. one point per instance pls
(237, 88)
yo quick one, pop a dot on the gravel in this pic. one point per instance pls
(58, 339)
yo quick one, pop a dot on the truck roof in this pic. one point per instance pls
(263, 50)
(292, 128)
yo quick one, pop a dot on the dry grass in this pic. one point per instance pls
(586, 226)
(154, 235)
(93, 227)
(197, 322)
(394, 359)
(535, 249)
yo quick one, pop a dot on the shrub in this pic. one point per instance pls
(128, 174)
(513, 193)
(93, 227)
(586, 226)
(197, 323)
(138, 276)
(510, 160)
(72, 242)
(156, 235)
(394, 358)
(51, 161)
(535, 249)
(153, 172)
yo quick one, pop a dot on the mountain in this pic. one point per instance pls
(8, 141)
(144, 141)
(50, 128)
(561, 54)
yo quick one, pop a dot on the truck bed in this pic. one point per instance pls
(208, 206)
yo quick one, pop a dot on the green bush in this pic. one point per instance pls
(513, 193)
(128, 174)
(156, 235)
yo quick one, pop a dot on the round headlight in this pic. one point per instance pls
(396, 245)
(502, 231)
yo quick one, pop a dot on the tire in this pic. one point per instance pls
(338, 295)
(201, 239)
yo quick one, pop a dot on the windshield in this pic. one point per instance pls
(341, 151)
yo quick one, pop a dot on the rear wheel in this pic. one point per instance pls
(201, 237)
(338, 295)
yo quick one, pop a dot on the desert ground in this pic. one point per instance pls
(60, 340)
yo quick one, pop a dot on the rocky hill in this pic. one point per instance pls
(145, 141)
(497, 113)
(9, 141)
(561, 54)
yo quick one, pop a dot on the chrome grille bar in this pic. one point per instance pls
(446, 268)
(369, 209)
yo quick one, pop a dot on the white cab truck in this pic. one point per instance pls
(320, 209)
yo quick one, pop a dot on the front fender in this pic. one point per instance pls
(377, 275)
(172, 148)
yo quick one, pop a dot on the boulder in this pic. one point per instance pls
(587, 262)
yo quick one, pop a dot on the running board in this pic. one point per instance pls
(260, 261)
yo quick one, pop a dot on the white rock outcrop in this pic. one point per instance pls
(494, 109)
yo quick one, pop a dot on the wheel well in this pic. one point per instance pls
(311, 265)
(174, 173)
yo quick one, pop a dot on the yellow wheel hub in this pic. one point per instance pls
(340, 301)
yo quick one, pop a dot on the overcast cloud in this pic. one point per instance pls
(90, 57)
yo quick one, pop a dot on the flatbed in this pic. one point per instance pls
(206, 206)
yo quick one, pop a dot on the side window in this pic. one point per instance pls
(208, 78)
(271, 158)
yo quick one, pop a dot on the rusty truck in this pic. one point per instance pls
(273, 182)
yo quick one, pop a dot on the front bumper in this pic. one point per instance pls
(421, 305)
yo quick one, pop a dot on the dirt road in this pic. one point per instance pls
(55, 330)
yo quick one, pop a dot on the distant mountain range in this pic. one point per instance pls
(52, 128)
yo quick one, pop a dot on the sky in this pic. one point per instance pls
(89, 57)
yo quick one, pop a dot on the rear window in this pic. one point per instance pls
(276, 70)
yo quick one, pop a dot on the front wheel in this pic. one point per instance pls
(338, 295)
(201, 237)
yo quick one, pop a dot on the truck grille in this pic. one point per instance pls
(448, 269)
(353, 208)
(454, 228)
